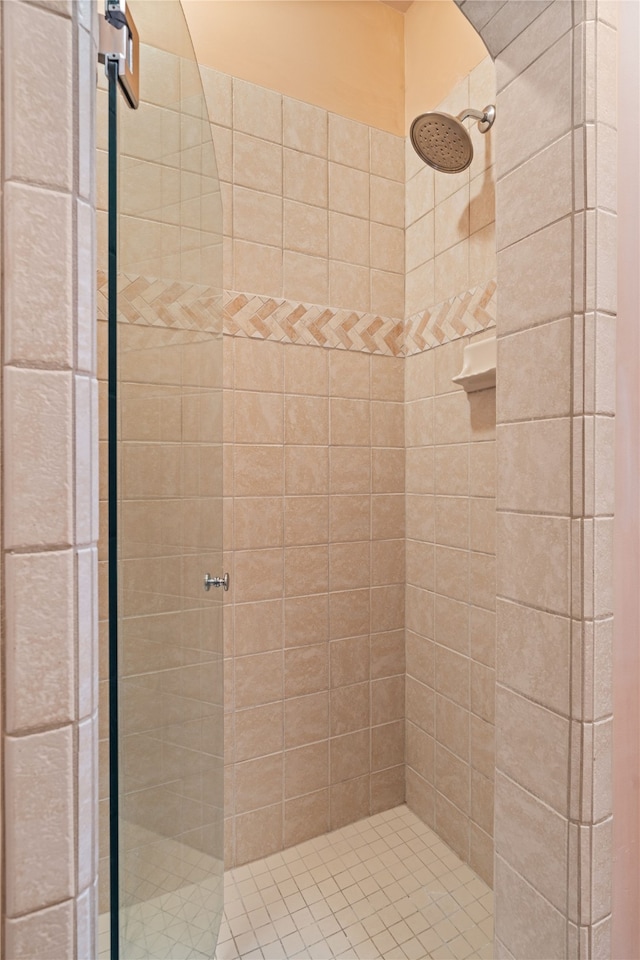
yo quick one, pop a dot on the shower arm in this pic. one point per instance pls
(475, 114)
(484, 117)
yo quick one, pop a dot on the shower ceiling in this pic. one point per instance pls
(402, 5)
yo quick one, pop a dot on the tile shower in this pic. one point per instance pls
(330, 451)
(456, 268)
(330, 463)
(555, 661)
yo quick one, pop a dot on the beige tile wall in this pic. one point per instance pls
(450, 218)
(310, 430)
(314, 527)
(314, 202)
(329, 438)
(554, 414)
(450, 503)
(450, 604)
(49, 482)
(314, 475)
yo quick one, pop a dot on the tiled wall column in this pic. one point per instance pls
(49, 485)
(593, 426)
(556, 244)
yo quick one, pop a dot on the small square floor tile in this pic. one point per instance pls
(385, 888)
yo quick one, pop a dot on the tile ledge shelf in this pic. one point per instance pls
(478, 366)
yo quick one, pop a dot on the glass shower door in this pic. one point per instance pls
(167, 466)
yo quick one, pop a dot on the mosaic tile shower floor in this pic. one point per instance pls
(385, 887)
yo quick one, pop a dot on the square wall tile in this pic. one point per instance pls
(39, 848)
(257, 111)
(45, 931)
(305, 127)
(37, 452)
(348, 142)
(38, 238)
(40, 636)
(40, 145)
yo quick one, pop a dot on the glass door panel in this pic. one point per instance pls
(169, 502)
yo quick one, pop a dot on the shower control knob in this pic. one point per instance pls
(210, 581)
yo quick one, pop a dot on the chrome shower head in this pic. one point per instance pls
(441, 141)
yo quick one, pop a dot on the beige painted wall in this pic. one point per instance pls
(426, 52)
(307, 51)
(440, 49)
(166, 32)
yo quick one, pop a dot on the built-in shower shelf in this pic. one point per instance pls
(478, 366)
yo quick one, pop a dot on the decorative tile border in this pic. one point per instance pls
(149, 302)
(146, 301)
(467, 313)
(266, 318)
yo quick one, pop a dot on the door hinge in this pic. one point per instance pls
(119, 43)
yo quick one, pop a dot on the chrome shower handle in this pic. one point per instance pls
(210, 581)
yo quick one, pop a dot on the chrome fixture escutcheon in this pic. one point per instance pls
(210, 581)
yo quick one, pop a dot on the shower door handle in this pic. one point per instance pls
(210, 581)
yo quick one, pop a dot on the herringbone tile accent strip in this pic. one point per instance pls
(151, 302)
(466, 313)
(265, 318)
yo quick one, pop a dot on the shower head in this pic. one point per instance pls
(441, 141)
